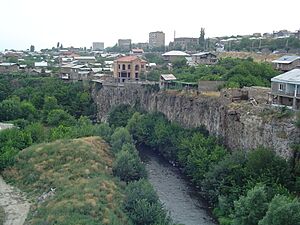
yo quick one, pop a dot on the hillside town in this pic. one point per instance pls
(130, 62)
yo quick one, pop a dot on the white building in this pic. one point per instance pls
(98, 46)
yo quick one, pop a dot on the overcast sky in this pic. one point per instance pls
(78, 23)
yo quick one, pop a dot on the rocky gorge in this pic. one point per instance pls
(240, 125)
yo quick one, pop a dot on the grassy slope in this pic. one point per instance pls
(80, 170)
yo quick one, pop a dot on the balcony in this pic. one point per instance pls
(285, 94)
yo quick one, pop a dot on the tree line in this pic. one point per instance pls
(235, 72)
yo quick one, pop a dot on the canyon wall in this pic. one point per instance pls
(239, 125)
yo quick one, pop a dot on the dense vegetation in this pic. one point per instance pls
(42, 109)
(241, 186)
(235, 72)
(45, 110)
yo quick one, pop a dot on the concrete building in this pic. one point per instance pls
(125, 44)
(186, 42)
(287, 62)
(285, 89)
(98, 46)
(129, 68)
(156, 39)
(204, 58)
(172, 55)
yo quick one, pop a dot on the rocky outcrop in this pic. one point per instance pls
(240, 126)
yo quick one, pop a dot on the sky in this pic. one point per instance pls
(78, 23)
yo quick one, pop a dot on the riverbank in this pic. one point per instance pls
(175, 191)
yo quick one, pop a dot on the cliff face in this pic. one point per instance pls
(239, 126)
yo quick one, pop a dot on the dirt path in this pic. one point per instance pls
(14, 203)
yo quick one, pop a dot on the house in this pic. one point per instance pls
(287, 62)
(41, 64)
(85, 59)
(285, 89)
(129, 68)
(9, 67)
(172, 55)
(137, 52)
(204, 58)
(166, 81)
(75, 72)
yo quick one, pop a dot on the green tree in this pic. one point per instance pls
(120, 137)
(250, 209)
(119, 116)
(50, 103)
(142, 204)
(202, 39)
(28, 110)
(10, 109)
(127, 165)
(282, 210)
(58, 117)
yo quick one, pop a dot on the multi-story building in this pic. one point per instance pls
(156, 39)
(204, 58)
(186, 42)
(98, 46)
(129, 68)
(125, 44)
(287, 62)
(285, 89)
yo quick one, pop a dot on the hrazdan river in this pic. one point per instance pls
(175, 192)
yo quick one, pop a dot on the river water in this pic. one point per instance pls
(175, 192)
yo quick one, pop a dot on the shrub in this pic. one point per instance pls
(120, 137)
(249, 209)
(127, 165)
(143, 206)
(58, 117)
(282, 210)
(119, 116)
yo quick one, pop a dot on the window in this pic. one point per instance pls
(128, 66)
(136, 75)
(136, 67)
(142, 66)
(123, 67)
(119, 66)
(281, 87)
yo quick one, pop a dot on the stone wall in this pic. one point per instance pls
(239, 125)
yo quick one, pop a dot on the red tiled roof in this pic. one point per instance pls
(127, 59)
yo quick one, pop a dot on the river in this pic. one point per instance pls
(175, 191)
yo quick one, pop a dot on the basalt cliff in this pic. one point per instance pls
(240, 125)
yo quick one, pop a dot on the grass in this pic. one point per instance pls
(2, 215)
(80, 171)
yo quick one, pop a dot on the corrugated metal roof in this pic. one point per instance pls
(8, 64)
(201, 53)
(286, 59)
(175, 53)
(291, 77)
(168, 77)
